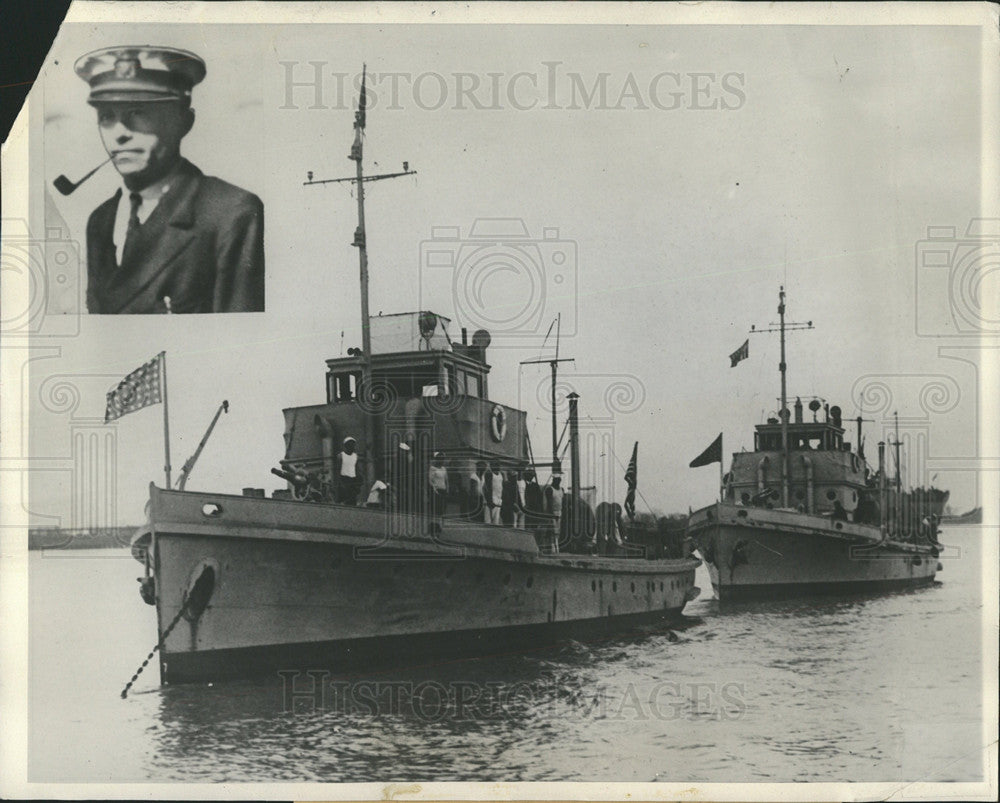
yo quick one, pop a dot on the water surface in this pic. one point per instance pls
(874, 688)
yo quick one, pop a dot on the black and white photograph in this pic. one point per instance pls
(607, 408)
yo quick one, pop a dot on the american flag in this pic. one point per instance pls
(631, 479)
(139, 389)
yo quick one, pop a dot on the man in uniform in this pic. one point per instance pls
(171, 239)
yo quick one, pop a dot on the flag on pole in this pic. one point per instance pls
(141, 388)
(713, 454)
(631, 479)
(740, 354)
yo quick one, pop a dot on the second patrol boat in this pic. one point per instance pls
(803, 514)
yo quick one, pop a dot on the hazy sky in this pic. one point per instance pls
(722, 162)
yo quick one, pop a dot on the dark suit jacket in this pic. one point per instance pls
(203, 246)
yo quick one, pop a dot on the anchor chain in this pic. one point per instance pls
(187, 602)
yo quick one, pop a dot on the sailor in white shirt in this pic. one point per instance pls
(348, 481)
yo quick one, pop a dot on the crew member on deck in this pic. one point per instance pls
(519, 505)
(171, 239)
(437, 477)
(493, 492)
(508, 499)
(378, 496)
(553, 506)
(533, 502)
(476, 506)
(348, 481)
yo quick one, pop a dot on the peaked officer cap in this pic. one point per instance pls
(139, 73)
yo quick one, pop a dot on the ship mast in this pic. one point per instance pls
(783, 413)
(898, 502)
(553, 364)
(360, 242)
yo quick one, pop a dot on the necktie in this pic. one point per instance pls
(132, 233)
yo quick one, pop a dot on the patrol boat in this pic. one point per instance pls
(803, 514)
(246, 585)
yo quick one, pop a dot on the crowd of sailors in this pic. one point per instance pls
(496, 495)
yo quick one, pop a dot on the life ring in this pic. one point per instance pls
(498, 423)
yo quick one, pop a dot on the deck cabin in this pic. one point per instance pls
(824, 469)
(428, 392)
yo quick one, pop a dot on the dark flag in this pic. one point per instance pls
(631, 479)
(139, 389)
(740, 354)
(713, 454)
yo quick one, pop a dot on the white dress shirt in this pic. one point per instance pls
(151, 196)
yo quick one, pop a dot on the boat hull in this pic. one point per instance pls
(298, 585)
(756, 553)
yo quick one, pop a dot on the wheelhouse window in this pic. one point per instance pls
(342, 387)
(473, 384)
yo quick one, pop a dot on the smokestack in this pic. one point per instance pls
(798, 410)
(835, 415)
(465, 336)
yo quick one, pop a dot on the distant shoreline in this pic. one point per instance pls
(64, 538)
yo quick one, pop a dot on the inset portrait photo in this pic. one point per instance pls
(158, 196)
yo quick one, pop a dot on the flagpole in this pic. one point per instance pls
(721, 453)
(166, 417)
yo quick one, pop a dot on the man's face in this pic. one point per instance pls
(143, 139)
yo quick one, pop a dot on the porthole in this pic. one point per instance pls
(211, 510)
(831, 494)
